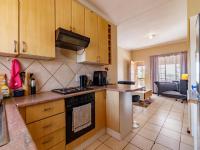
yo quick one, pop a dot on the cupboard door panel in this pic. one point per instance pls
(37, 28)
(46, 126)
(103, 40)
(51, 140)
(91, 31)
(41, 111)
(64, 14)
(78, 18)
(100, 110)
(9, 27)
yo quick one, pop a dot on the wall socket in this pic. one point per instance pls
(77, 78)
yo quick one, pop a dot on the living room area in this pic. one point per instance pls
(160, 111)
(164, 119)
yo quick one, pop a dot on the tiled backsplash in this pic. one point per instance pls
(57, 73)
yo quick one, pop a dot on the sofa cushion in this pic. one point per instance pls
(174, 94)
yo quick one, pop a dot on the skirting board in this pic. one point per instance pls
(91, 140)
(114, 134)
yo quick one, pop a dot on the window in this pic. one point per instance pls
(169, 68)
(140, 72)
(140, 75)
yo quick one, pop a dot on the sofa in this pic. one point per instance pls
(175, 89)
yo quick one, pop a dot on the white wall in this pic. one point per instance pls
(123, 65)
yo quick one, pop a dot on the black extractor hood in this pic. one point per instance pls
(70, 40)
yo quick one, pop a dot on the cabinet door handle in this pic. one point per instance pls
(23, 46)
(48, 109)
(47, 126)
(15, 46)
(47, 141)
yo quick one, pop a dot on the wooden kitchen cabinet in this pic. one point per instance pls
(100, 105)
(78, 17)
(9, 27)
(46, 124)
(51, 140)
(103, 40)
(113, 111)
(64, 14)
(41, 111)
(37, 28)
(96, 28)
(91, 31)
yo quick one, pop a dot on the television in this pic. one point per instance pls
(197, 54)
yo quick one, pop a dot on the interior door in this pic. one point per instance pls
(64, 14)
(91, 31)
(103, 40)
(78, 17)
(9, 27)
(37, 28)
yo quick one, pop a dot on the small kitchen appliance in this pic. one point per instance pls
(100, 78)
(83, 81)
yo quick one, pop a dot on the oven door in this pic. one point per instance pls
(80, 116)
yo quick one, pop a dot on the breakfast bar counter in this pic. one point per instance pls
(119, 110)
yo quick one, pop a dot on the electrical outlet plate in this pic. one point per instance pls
(77, 78)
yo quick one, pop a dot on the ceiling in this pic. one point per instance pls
(136, 19)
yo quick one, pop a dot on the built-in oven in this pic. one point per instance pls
(80, 115)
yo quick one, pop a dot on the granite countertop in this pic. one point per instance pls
(20, 138)
(124, 88)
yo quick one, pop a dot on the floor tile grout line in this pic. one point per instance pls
(146, 122)
(161, 129)
(152, 123)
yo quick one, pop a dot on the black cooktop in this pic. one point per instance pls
(71, 90)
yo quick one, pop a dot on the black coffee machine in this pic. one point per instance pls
(83, 81)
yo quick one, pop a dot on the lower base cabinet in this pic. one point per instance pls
(46, 124)
(60, 146)
(51, 140)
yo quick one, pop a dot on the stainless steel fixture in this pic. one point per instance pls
(71, 90)
(70, 40)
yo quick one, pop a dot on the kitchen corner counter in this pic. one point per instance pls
(51, 96)
(47, 97)
(19, 136)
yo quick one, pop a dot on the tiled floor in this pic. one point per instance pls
(163, 126)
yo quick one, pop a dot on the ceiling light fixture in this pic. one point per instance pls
(150, 35)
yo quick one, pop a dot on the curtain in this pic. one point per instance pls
(168, 67)
(183, 61)
(154, 71)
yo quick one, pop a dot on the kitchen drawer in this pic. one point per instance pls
(51, 140)
(44, 127)
(41, 111)
(60, 146)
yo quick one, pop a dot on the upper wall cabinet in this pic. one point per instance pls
(64, 14)
(35, 37)
(37, 28)
(103, 34)
(78, 18)
(9, 27)
(99, 32)
(91, 30)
